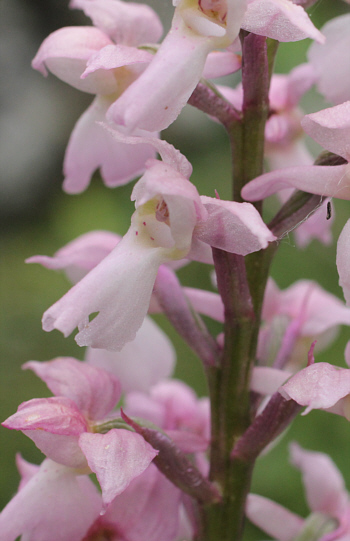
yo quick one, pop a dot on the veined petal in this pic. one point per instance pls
(343, 261)
(233, 227)
(324, 485)
(81, 255)
(149, 358)
(54, 492)
(93, 390)
(117, 458)
(324, 180)
(331, 128)
(91, 147)
(128, 23)
(319, 386)
(65, 53)
(281, 20)
(119, 288)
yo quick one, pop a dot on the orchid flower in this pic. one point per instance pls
(326, 496)
(295, 317)
(333, 74)
(171, 222)
(331, 129)
(101, 60)
(63, 426)
(198, 27)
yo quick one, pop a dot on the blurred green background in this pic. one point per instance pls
(51, 218)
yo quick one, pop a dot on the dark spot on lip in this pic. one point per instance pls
(166, 107)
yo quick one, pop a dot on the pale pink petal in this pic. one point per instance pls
(65, 53)
(205, 302)
(233, 227)
(112, 57)
(36, 511)
(92, 147)
(323, 180)
(167, 152)
(315, 227)
(347, 354)
(117, 458)
(221, 63)
(327, 60)
(119, 288)
(189, 442)
(149, 358)
(267, 380)
(81, 255)
(57, 415)
(128, 23)
(25, 469)
(331, 128)
(147, 509)
(289, 155)
(324, 485)
(157, 97)
(272, 518)
(319, 386)
(299, 81)
(281, 20)
(343, 261)
(94, 391)
(62, 449)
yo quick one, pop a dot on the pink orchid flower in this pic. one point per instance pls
(321, 386)
(333, 74)
(331, 129)
(295, 317)
(156, 99)
(171, 222)
(101, 60)
(46, 494)
(326, 496)
(63, 426)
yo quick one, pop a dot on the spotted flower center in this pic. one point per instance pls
(162, 212)
(215, 9)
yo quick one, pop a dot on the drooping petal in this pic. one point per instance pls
(91, 147)
(94, 391)
(267, 380)
(221, 63)
(343, 261)
(119, 288)
(281, 20)
(331, 128)
(54, 492)
(127, 23)
(272, 518)
(328, 62)
(117, 458)
(324, 485)
(233, 227)
(323, 180)
(149, 358)
(319, 386)
(80, 255)
(65, 53)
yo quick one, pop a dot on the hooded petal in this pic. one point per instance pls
(127, 23)
(281, 20)
(324, 485)
(119, 288)
(81, 255)
(319, 386)
(117, 458)
(54, 492)
(328, 61)
(323, 180)
(93, 390)
(92, 147)
(331, 128)
(343, 261)
(233, 227)
(149, 358)
(65, 53)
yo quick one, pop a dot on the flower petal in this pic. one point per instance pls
(343, 261)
